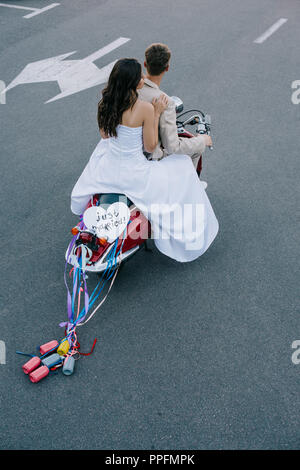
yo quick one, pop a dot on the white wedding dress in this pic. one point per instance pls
(168, 192)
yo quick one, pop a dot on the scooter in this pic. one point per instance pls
(112, 229)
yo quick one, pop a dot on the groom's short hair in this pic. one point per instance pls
(157, 57)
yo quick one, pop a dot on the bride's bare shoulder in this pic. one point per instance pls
(144, 104)
(145, 107)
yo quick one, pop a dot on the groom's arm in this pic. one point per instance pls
(169, 136)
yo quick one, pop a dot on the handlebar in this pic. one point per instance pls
(202, 120)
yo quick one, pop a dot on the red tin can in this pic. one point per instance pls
(39, 374)
(30, 365)
(45, 348)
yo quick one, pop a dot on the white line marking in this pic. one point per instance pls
(41, 10)
(106, 49)
(270, 31)
(2, 352)
(36, 11)
(16, 6)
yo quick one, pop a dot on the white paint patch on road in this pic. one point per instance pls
(41, 10)
(2, 352)
(72, 76)
(270, 31)
(35, 11)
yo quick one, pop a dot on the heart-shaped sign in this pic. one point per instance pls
(109, 223)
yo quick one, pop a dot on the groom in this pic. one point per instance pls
(157, 61)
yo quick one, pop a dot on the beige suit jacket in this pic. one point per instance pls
(168, 140)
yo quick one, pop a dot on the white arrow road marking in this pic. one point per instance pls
(36, 11)
(270, 30)
(72, 76)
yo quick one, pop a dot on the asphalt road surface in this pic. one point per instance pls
(189, 356)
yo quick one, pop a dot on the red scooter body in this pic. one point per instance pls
(138, 231)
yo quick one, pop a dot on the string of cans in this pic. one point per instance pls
(63, 354)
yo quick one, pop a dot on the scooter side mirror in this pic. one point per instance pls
(178, 104)
(207, 119)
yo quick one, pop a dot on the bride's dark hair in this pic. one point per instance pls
(119, 95)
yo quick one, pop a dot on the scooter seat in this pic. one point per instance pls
(106, 199)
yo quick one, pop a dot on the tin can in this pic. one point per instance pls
(47, 347)
(63, 348)
(52, 360)
(39, 374)
(68, 367)
(30, 365)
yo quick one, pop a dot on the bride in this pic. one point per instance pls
(168, 191)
